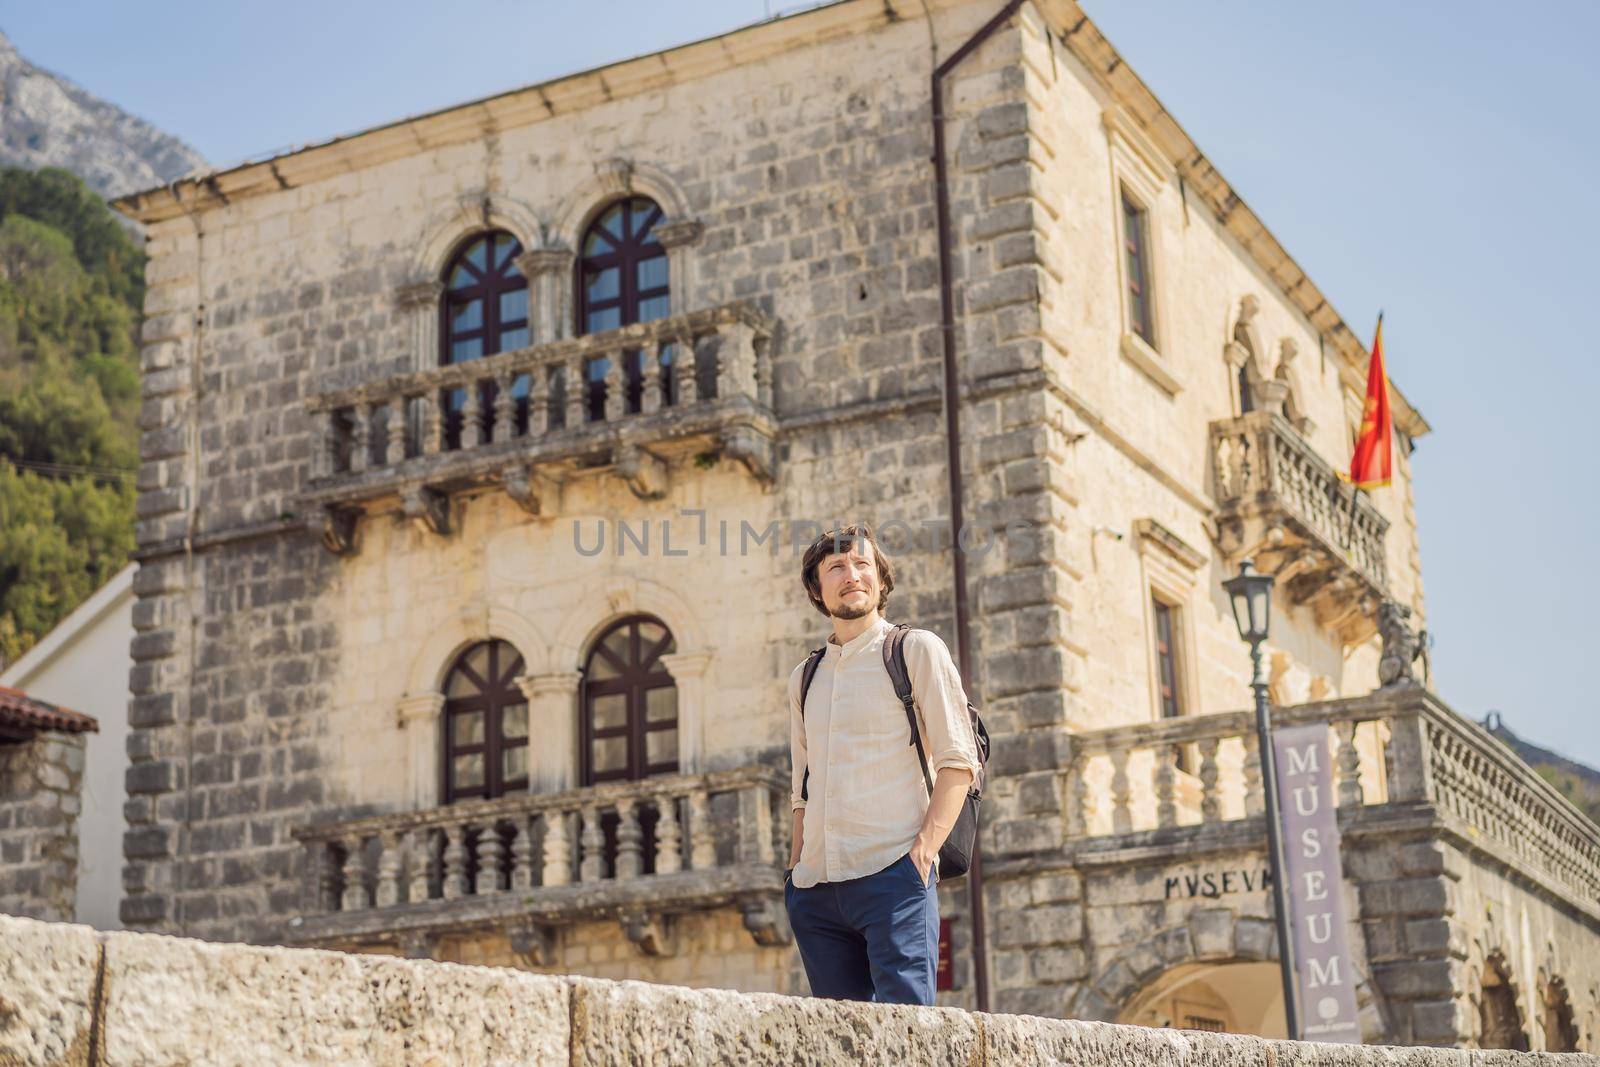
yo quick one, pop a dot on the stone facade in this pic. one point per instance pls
(126, 998)
(40, 800)
(286, 711)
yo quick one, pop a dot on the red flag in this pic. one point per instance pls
(1372, 464)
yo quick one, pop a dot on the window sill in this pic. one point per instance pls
(1136, 351)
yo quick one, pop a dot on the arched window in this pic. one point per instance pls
(485, 724)
(630, 706)
(1499, 1019)
(1560, 1032)
(622, 279)
(1247, 402)
(484, 311)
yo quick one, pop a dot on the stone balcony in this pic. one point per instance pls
(1401, 760)
(632, 401)
(637, 853)
(1281, 503)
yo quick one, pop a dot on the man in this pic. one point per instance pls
(862, 889)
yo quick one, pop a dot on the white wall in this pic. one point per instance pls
(83, 664)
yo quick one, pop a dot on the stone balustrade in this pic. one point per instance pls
(637, 852)
(1394, 755)
(695, 385)
(1281, 503)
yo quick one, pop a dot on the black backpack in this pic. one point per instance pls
(955, 855)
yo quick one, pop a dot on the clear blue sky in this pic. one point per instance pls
(1434, 160)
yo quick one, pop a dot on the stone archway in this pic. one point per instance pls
(1215, 952)
(1236, 997)
(1499, 1017)
(1556, 1017)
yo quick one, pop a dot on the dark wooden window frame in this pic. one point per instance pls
(1165, 624)
(494, 695)
(1135, 239)
(624, 252)
(633, 679)
(489, 286)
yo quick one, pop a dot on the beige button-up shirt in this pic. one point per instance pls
(867, 796)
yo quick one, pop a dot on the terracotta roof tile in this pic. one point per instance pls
(20, 712)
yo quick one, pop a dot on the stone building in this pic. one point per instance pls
(41, 781)
(475, 452)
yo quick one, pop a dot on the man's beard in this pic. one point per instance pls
(845, 612)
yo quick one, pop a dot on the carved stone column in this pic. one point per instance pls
(688, 670)
(553, 719)
(679, 237)
(419, 718)
(549, 274)
(419, 301)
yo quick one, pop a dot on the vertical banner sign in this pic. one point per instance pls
(1315, 878)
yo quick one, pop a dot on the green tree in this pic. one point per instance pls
(60, 540)
(71, 282)
(102, 244)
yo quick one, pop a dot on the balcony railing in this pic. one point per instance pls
(636, 852)
(632, 399)
(1281, 502)
(1397, 756)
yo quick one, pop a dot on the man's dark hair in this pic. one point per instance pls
(840, 540)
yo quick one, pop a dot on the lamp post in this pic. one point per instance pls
(1251, 594)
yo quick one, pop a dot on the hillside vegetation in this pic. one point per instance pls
(71, 285)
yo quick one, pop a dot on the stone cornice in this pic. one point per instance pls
(747, 46)
(751, 45)
(1138, 107)
(1152, 534)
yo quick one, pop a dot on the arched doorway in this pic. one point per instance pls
(1241, 997)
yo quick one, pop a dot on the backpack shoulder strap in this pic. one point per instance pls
(810, 672)
(894, 661)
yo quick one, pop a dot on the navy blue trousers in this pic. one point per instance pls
(870, 938)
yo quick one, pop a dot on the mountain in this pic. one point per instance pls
(47, 121)
(1578, 782)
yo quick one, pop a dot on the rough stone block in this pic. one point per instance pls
(1433, 937)
(171, 1000)
(1256, 939)
(1418, 896)
(149, 842)
(47, 992)
(1440, 1021)
(1054, 924)
(635, 1022)
(1414, 979)
(1055, 888)
(149, 778)
(1212, 930)
(1058, 965)
(1020, 1039)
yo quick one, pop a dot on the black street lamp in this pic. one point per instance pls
(1251, 594)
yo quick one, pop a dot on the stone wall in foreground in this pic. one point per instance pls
(70, 995)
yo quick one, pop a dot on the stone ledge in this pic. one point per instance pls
(71, 996)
